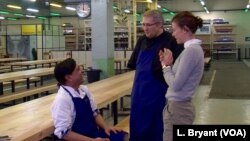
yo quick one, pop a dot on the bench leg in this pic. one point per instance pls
(114, 111)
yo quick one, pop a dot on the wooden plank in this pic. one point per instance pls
(29, 92)
(37, 62)
(32, 79)
(124, 124)
(25, 74)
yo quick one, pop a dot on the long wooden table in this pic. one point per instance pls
(26, 74)
(4, 60)
(36, 62)
(31, 121)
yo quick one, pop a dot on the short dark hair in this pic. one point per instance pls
(66, 67)
(186, 18)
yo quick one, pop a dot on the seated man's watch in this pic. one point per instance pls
(163, 67)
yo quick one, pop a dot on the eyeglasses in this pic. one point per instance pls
(149, 24)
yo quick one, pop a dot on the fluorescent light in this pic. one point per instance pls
(4, 12)
(204, 6)
(202, 2)
(2, 18)
(43, 18)
(172, 13)
(164, 9)
(149, 1)
(18, 14)
(158, 6)
(12, 19)
(127, 11)
(14, 6)
(114, 6)
(70, 8)
(33, 0)
(248, 6)
(55, 5)
(30, 16)
(32, 10)
(54, 14)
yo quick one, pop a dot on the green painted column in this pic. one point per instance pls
(102, 36)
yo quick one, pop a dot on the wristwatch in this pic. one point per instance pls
(163, 67)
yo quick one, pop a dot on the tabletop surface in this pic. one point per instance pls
(32, 120)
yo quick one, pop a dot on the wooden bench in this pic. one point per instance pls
(124, 124)
(7, 68)
(25, 74)
(32, 79)
(26, 93)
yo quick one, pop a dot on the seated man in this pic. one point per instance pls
(74, 111)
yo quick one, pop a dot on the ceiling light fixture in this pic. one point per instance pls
(55, 5)
(14, 6)
(204, 6)
(30, 16)
(12, 19)
(127, 11)
(70, 8)
(42, 18)
(247, 7)
(172, 13)
(202, 2)
(32, 10)
(2, 18)
(164, 10)
(18, 14)
(114, 6)
(54, 14)
(149, 1)
(4, 12)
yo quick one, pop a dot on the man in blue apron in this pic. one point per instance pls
(74, 111)
(148, 92)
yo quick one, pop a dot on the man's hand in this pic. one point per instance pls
(112, 129)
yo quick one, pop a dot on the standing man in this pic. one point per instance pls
(148, 93)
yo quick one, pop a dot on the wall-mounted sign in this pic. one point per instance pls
(28, 29)
(31, 29)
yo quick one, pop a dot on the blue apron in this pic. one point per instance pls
(85, 121)
(148, 99)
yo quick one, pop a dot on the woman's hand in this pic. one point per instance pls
(166, 57)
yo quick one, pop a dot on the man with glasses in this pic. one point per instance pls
(148, 93)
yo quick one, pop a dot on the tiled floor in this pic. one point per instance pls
(220, 111)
